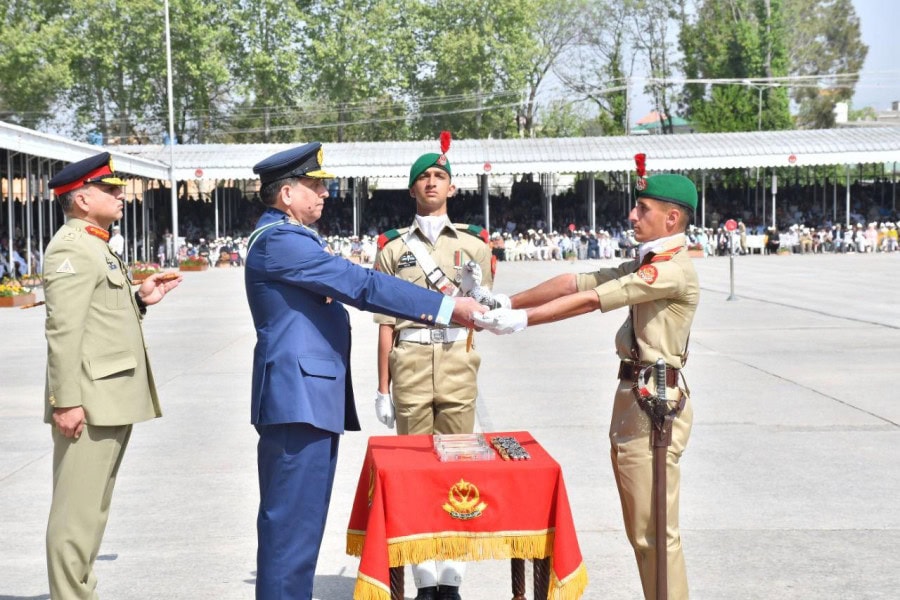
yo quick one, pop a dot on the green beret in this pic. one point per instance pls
(668, 187)
(425, 162)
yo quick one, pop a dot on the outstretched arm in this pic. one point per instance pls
(558, 287)
(565, 307)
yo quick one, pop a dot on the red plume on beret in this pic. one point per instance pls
(445, 141)
(641, 161)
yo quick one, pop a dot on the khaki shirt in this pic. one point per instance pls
(96, 355)
(663, 296)
(395, 258)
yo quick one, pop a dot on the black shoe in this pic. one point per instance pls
(427, 593)
(448, 592)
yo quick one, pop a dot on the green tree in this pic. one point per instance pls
(364, 56)
(562, 118)
(271, 72)
(742, 41)
(474, 60)
(599, 67)
(556, 31)
(202, 43)
(825, 41)
(33, 66)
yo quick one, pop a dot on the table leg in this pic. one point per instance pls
(517, 569)
(398, 584)
(541, 568)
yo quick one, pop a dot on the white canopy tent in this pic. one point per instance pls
(701, 153)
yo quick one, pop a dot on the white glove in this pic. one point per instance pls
(384, 409)
(503, 321)
(471, 286)
(471, 277)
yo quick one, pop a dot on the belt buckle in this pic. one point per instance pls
(437, 336)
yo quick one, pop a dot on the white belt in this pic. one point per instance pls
(432, 336)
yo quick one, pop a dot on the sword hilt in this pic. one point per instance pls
(661, 380)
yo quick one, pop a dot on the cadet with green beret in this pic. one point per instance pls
(429, 374)
(98, 377)
(661, 289)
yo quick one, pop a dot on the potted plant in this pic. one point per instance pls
(31, 281)
(194, 263)
(141, 271)
(570, 255)
(695, 250)
(13, 294)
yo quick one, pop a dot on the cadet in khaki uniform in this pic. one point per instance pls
(98, 377)
(662, 291)
(432, 370)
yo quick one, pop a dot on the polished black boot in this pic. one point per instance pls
(448, 592)
(427, 593)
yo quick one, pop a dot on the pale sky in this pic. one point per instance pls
(880, 83)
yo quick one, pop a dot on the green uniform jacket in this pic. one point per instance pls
(96, 356)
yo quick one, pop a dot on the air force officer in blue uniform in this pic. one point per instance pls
(302, 392)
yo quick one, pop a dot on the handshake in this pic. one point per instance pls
(502, 319)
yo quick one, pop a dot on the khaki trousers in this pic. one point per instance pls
(84, 474)
(632, 462)
(434, 387)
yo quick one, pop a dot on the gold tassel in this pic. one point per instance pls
(355, 543)
(468, 548)
(370, 589)
(571, 588)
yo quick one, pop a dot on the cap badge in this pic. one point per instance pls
(320, 156)
(442, 160)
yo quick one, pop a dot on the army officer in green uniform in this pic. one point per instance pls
(432, 370)
(98, 378)
(661, 289)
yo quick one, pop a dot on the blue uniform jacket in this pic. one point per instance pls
(301, 363)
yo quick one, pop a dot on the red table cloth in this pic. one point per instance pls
(411, 507)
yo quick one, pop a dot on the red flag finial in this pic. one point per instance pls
(445, 141)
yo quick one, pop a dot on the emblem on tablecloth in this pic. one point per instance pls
(464, 501)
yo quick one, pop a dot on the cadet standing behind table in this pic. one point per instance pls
(302, 394)
(98, 377)
(433, 370)
(662, 291)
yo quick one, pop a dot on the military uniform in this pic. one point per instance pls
(96, 359)
(432, 373)
(302, 389)
(662, 292)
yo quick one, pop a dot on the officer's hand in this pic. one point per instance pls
(471, 277)
(69, 421)
(155, 287)
(384, 409)
(490, 299)
(503, 321)
(465, 309)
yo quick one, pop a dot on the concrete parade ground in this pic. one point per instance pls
(790, 482)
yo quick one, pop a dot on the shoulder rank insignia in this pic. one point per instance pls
(479, 232)
(386, 237)
(664, 256)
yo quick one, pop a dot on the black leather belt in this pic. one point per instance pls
(629, 371)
